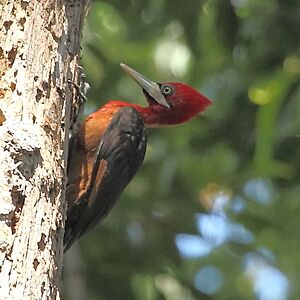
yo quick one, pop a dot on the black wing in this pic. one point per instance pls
(120, 152)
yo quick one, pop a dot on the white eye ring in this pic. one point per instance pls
(166, 90)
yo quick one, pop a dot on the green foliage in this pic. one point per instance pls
(243, 54)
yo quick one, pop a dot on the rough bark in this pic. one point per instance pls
(39, 53)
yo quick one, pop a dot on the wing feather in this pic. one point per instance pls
(120, 153)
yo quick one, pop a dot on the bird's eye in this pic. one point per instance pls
(166, 90)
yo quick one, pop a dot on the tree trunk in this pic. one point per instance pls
(39, 53)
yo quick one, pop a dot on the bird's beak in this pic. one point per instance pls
(151, 87)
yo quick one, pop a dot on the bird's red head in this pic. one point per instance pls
(170, 103)
(184, 103)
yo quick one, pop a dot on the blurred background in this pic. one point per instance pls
(214, 212)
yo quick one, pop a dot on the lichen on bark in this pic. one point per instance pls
(39, 53)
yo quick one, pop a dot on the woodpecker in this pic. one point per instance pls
(110, 144)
